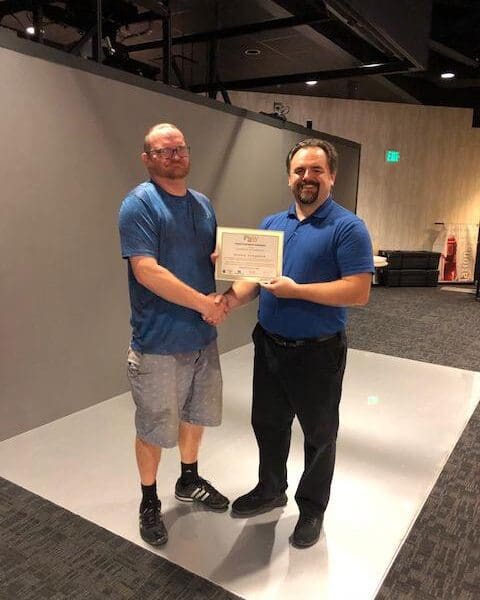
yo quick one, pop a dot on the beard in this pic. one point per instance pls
(174, 171)
(306, 196)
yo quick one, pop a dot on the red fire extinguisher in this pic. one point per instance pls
(450, 270)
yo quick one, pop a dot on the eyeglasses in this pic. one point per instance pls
(181, 151)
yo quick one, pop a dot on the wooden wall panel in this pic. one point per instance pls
(437, 178)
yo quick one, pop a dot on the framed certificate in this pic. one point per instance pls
(248, 254)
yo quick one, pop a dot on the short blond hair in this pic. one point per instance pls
(146, 141)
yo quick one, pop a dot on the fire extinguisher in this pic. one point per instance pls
(450, 270)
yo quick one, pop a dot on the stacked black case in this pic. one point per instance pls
(410, 268)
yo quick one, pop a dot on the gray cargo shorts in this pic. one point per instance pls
(169, 388)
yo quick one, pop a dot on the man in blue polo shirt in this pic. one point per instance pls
(300, 345)
(167, 234)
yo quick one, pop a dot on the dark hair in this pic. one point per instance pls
(327, 147)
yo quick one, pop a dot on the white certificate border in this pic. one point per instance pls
(241, 231)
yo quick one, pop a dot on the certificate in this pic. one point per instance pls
(248, 254)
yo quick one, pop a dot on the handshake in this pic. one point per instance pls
(217, 307)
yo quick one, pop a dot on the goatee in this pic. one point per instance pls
(307, 197)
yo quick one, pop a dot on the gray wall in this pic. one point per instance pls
(70, 142)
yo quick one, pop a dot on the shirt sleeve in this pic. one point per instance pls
(209, 207)
(138, 230)
(354, 249)
(266, 223)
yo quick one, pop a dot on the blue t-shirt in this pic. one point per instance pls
(330, 244)
(179, 232)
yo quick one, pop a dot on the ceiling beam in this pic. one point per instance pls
(167, 48)
(178, 73)
(228, 32)
(145, 17)
(77, 46)
(37, 19)
(155, 6)
(459, 83)
(453, 54)
(398, 66)
(458, 3)
(97, 37)
(10, 7)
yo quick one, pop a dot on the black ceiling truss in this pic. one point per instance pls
(212, 68)
(385, 64)
(341, 34)
(158, 7)
(178, 72)
(453, 54)
(97, 38)
(228, 32)
(10, 7)
(397, 66)
(97, 21)
(167, 46)
(95, 25)
(37, 15)
(77, 47)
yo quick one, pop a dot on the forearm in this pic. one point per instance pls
(165, 284)
(241, 292)
(334, 293)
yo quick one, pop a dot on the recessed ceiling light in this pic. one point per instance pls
(311, 82)
(252, 52)
(447, 75)
(30, 30)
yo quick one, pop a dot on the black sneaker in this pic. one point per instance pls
(307, 531)
(201, 491)
(255, 503)
(152, 528)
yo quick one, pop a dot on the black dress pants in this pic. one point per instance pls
(303, 381)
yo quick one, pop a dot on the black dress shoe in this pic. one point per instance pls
(307, 531)
(255, 503)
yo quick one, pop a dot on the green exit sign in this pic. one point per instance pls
(392, 156)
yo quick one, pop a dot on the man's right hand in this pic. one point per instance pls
(216, 309)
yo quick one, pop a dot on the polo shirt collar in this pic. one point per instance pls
(321, 212)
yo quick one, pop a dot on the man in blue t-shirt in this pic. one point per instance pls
(167, 234)
(300, 345)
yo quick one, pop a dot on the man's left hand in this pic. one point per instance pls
(282, 287)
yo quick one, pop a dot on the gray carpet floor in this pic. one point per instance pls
(440, 559)
(426, 324)
(48, 553)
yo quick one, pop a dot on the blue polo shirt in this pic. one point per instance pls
(179, 232)
(330, 244)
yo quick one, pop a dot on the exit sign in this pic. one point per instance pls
(392, 156)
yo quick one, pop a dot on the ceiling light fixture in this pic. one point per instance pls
(447, 75)
(311, 82)
(252, 52)
(30, 30)
(372, 65)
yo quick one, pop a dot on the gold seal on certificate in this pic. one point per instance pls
(248, 254)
